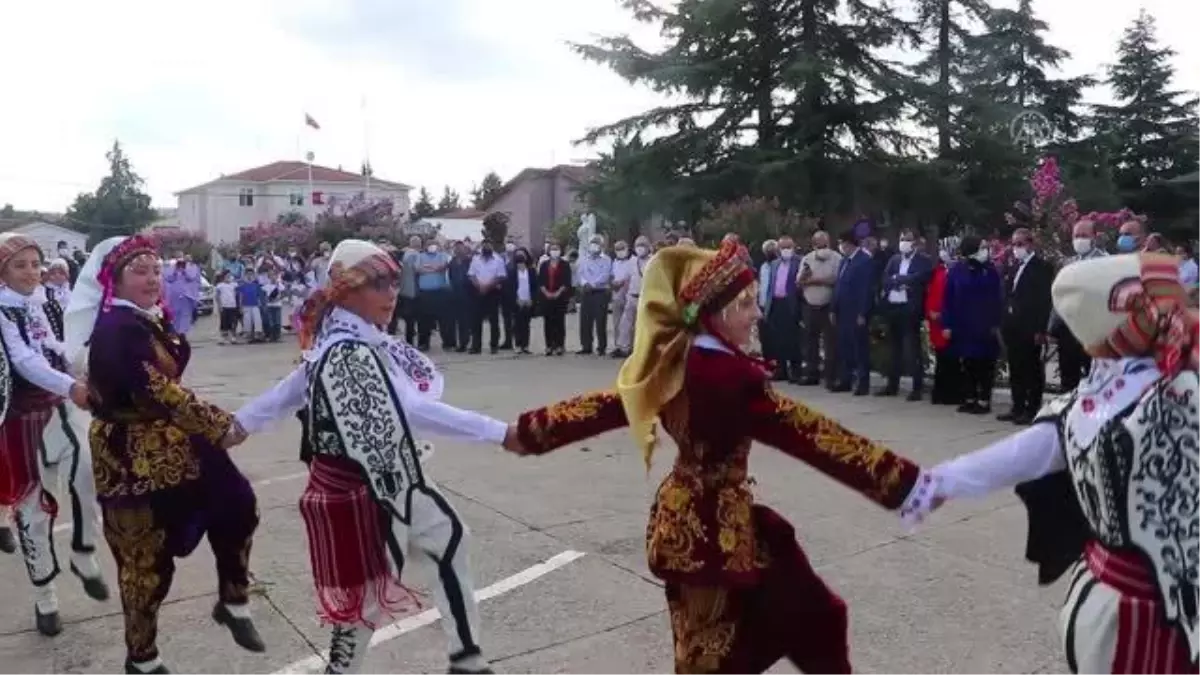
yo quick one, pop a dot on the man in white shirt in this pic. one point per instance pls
(487, 274)
(818, 273)
(634, 271)
(620, 288)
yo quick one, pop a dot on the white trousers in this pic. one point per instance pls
(64, 455)
(252, 323)
(627, 323)
(436, 532)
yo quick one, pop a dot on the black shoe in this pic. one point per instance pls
(809, 382)
(459, 670)
(887, 391)
(95, 587)
(131, 669)
(524, 350)
(619, 354)
(474, 350)
(1022, 420)
(460, 350)
(506, 346)
(494, 350)
(8, 543)
(47, 624)
(861, 391)
(584, 352)
(601, 352)
(967, 407)
(840, 388)
(914, 395)
(1008, 416)
(243, 630)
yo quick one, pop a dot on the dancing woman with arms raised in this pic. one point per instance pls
(740, 590)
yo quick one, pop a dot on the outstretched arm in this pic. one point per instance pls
(544, 429)
(821, 442)
(277, 403)
(1028, 454)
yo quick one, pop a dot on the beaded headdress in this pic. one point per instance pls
(718, 282)
(116, 259)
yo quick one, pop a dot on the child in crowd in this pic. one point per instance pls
(250, 300)
(225, 296)
(273, 292)
(58, 284)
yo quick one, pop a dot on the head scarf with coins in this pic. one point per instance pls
(354, 263)
(683, 287)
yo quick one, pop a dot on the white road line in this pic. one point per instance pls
(316, 662)
(258, 483)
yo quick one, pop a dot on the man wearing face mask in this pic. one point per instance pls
(487, 274)
(818, 273)
(1131, 237)
(508, 309)
(460, 309)
(853, 300)
(637, 266)
(620, 291)
(905, 280)
(406, 303)
(433, 290)
(73, 266)
(1073, 362)
(595, 278)
(1026, 314)
(782, 338)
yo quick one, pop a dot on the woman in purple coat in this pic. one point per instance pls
(971, 313)
(182, 280)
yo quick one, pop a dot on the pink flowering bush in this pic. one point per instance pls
(278, 236)
(174, 242)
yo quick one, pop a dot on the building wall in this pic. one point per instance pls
(47, 237)
(217, 211)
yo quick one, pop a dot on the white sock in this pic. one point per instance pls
(238, 611)
(46, 598)
(147, 666)
(86, 564)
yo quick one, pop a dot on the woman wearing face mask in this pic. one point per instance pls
(972, 307)
(947, 373)
(554, 292)
(521, 289)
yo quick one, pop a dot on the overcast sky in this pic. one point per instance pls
(452, 88)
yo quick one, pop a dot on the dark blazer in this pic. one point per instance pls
(1027, 297)
(562, 279)
(510, 288)
(779, 266)
(916, 282)
(854, 291)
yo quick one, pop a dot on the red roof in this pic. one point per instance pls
(298, 172)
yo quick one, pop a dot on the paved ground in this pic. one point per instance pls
(954, 598)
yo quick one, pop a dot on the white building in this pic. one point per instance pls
(47, 236)
(458, 225)
(221, 208)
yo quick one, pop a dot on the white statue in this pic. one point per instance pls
(587, 228)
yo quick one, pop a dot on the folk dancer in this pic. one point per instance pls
(164, 476)
(740, 590)
(370, 488)
(41, 438)
(1108, 471)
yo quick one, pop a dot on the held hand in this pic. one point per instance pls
(862, 320)
(79, 395)
(512, 443)
(236, 435)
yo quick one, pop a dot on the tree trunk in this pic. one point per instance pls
(943, 85)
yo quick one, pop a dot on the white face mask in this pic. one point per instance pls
(510, 247)
(1020, 253)
(641, 251)
(906, 247)
(622, 253)
(1082, 245)
(594, 248)
(946, 256)
(786, 253)
(555, 254)
(432, 248)
(981, 255)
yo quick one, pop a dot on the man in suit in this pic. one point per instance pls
(782, 309)
(1073, 362)
(905, 278)
(852, 301)
(1026, 313)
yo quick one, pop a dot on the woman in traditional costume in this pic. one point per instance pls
(41, 440)
(1108, 471)
(163, 475)
(369, 502)
(740, 590)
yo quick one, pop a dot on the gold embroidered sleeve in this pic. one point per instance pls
(182, 406)
(821, 442)
(570, 421)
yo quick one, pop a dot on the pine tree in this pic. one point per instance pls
(119, 206)
(485, 194)
(944, 26)
(1151, 133)
(424, 206)
(449, 202)
(779, 95)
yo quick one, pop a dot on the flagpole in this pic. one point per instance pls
(366, 147)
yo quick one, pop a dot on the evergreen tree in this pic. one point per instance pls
(778, 95)
(485, 194)
(1151, 133)
(449, 201)
(423, 208)
(119, 206)
(944, 28)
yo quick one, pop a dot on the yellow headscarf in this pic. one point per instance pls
(678, 283)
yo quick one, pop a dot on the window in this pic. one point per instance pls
(318, 198)
(246, 197)
(296, 199)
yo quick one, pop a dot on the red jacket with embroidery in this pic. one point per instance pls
(703, 521)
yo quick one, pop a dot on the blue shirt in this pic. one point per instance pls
(249, 294)
(486, 270)
(432, 281)
(595, 271)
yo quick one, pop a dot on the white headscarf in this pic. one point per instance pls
(79, 319)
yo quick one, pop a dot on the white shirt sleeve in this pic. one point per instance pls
(429, 416)
(31, 364)
(1028, 454)
(275, 404)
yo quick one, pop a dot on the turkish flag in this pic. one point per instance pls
(310, 121)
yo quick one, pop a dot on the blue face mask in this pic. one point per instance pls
(1126, 243)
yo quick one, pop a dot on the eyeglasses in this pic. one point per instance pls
(388, 283)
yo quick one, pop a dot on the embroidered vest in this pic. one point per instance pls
(26, 397)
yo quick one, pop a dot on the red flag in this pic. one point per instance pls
(310, 121)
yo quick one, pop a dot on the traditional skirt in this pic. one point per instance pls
(355, 584)
(790, 614)
(1112, 621)
(20, 439)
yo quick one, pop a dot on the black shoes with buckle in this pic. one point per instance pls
(48, 624)
(95, 587)
(243, 630)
